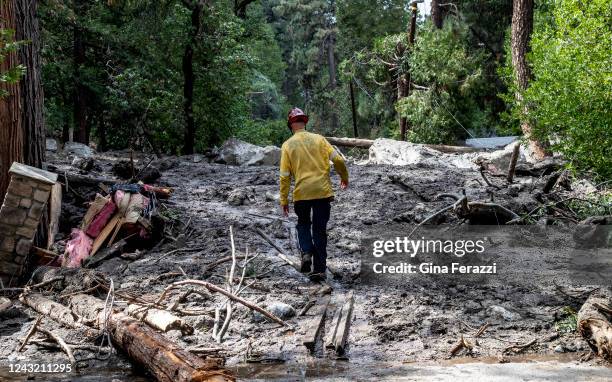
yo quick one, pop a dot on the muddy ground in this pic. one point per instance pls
(402, 324)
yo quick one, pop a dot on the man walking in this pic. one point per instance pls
(305, 157)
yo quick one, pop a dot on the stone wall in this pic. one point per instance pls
(20, 214)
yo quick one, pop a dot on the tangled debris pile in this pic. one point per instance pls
(199, 290)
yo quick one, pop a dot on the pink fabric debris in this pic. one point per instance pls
(122, 199)
(77, 249)
(101, 219)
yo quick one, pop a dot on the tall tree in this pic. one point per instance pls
(195, 8)
(240, 7)
(436, 14)
(81, 133)
(11, 129)
(522, 27)
(33, 124)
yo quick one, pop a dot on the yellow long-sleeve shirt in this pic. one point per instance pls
(305, 157)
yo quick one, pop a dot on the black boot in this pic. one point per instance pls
(317, 277)
(306, 262)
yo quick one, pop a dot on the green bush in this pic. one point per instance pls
(264, 132)
(570, 99)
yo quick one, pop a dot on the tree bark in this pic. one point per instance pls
(188, 74)
(80, 133)
(594, 325)
(33, 122)
(162, 358)
(11, 129)
(437, 17)
(240, 7)
(353, 109)
(522, 26)
(331, 67)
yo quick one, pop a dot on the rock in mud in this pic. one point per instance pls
(241, 196)
(499, 160)
(504, 313)
(123, 169)
(277, 308)
(239, 153)
(78, 149)
(85, 164)
(399, 153)
(272, 196)
(51, 145)
(150, 175)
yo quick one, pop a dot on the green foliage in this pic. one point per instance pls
(264, 132)
(133, 72)
(569, 323)
(448, 77)
(592, 205)
(9, 45)
(570, 99)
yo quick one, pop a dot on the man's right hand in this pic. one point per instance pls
(344, 185)
(285, 210)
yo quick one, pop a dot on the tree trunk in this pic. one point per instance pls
(436, 14)
(33, 123)
(80, 96)
(11, 129)
(595, 324)
(353, 109)
(189, 77)
(522, 26)
(331, 67)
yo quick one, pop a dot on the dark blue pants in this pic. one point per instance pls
(312, 232)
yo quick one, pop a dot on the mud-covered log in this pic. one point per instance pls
(5, 303)
(350, 142)
(162, 358)
(366, 143)
(595, 323)
(52, 309)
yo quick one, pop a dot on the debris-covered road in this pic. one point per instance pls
(407, 323)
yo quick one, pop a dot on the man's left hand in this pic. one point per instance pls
(344, 184)
(285, 209)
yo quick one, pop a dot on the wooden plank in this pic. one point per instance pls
(106, 231)
(344, 324)
(316, 323)
(331, 334)
(55, 210)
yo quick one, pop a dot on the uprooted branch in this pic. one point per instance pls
(594, 323)
(215, 288)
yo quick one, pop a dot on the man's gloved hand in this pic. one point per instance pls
(285, 209)
(344, 185)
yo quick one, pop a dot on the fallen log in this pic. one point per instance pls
(162, 358)
(51, 309)
(5, 303)
(159, 319)
(595, 323)
(82, 180)
(350, 142)
(366, 143)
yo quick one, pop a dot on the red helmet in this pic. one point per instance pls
(296, 115)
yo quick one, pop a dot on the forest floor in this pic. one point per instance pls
(407, 325)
